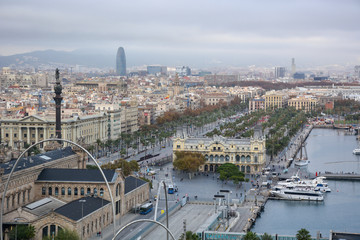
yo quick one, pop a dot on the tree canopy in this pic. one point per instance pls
(229, 171)
(251, 236)
(22, 232)
(303, 234)
(64, 234)
(127, 167)
(188, 161)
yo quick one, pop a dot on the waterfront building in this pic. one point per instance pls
(216, 98)
(28, 130)
(47, 191)
(256, 104)
(120, 62)
(305, 103)
(248, 154)
(274, 99)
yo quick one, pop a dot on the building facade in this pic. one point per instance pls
(248, 154)
(306, 104)
(256, 104)
(274, 100)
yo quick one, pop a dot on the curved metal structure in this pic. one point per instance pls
(166, 201)
(144, 220)
(48, 140)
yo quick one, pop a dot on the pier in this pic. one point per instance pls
(342, 176)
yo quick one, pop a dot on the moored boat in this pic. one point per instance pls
(298, 194)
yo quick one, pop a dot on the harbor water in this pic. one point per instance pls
(328, 150)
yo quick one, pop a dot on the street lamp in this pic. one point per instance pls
(82, 201)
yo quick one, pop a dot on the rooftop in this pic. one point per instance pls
(75, 175)
(33, 161)
(43, 206)
(82, 207)
(132, 183)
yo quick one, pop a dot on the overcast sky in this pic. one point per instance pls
(189, 32)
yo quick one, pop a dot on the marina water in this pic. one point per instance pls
(328, 150)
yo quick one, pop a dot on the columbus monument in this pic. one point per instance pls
(58, 99)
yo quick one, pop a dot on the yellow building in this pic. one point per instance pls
(274, 100)
(249, 154)
(303, 103)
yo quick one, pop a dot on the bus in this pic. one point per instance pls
(146, 208)
(172, 189)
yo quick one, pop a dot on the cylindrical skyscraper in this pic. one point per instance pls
(120, 62)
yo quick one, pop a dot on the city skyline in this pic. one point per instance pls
(198, 34)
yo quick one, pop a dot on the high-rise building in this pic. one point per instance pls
(155, 70)
(183, 71)
(280, 72)
(121, 62)
(357, 71)
(293, 66)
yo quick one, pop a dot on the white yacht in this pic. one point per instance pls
(301, 163)
(297, 194)
(295, 182)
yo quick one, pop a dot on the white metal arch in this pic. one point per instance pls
(48, 140)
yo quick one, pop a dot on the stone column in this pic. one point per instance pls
(36, 134)
(28, 135)
(11, 143)
(20, 136)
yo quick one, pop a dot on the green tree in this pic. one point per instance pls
(22, 232)
(64, 234)
(189, 236)
(303, 234)
(188, 161)
(126, 167)
(266, 236)
(229, 171)
(251, 236)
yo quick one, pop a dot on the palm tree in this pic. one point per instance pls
(266, 236)
(303, 234)
(251, 236)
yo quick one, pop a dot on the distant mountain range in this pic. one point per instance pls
(76, 57)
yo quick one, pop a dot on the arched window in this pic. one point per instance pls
(62, 191)
(45, 231)
(243, 169)
(43, 190)
(88, 191)
(256, 159)
(227, 158)
(222, 158)
(95, 191)
(206, 157)
(216, 158)
(242, 158)
(248, 159)
(101, 192)
(50, 191)
(211, 158)
(76, 191)
(247, 169)
(56, 191)
(237, 158)
(69, 191)
(82, 191)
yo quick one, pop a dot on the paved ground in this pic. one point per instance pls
(194, 214)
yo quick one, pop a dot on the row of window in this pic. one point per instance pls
(226, 158)
(70, 190)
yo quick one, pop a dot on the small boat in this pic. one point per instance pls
(356, 151)
(298, 194)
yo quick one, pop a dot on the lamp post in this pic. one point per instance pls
(82, 201)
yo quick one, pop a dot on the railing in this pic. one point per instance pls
(210, 235)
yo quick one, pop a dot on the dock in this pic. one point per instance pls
(342, 176)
